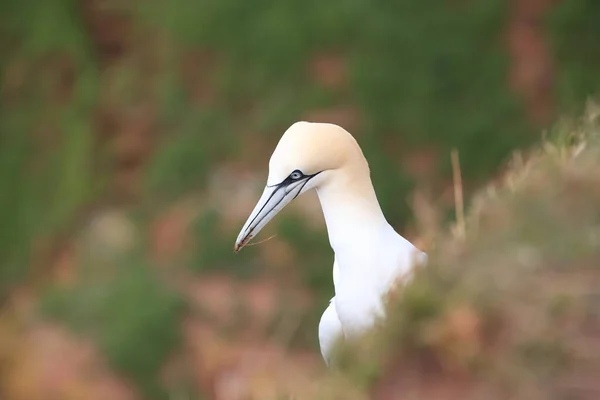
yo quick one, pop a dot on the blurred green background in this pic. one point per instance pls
(134, 141)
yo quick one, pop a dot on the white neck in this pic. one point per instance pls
(351, 210)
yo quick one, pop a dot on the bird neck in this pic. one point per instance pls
(351, 210)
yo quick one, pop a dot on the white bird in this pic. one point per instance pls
(370, 256)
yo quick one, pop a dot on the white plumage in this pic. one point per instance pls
(370, 256)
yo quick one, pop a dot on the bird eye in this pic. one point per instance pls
(296, 175)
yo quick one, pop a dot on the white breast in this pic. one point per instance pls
(366, 273)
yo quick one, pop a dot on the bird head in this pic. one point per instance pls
(309, 155)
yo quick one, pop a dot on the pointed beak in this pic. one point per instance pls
(273, 200)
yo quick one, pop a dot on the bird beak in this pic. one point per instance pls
(273, 200)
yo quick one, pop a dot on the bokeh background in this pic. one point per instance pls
(134, 141)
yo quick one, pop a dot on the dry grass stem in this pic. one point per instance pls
(458, 193)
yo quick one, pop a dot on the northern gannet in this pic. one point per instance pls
(369, 254)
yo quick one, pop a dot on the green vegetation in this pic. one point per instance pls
(432, 74)
(134, 319)
(574, 36)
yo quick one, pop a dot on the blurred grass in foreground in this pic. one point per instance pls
(511, 310)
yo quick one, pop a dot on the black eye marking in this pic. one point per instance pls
(296, 175)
